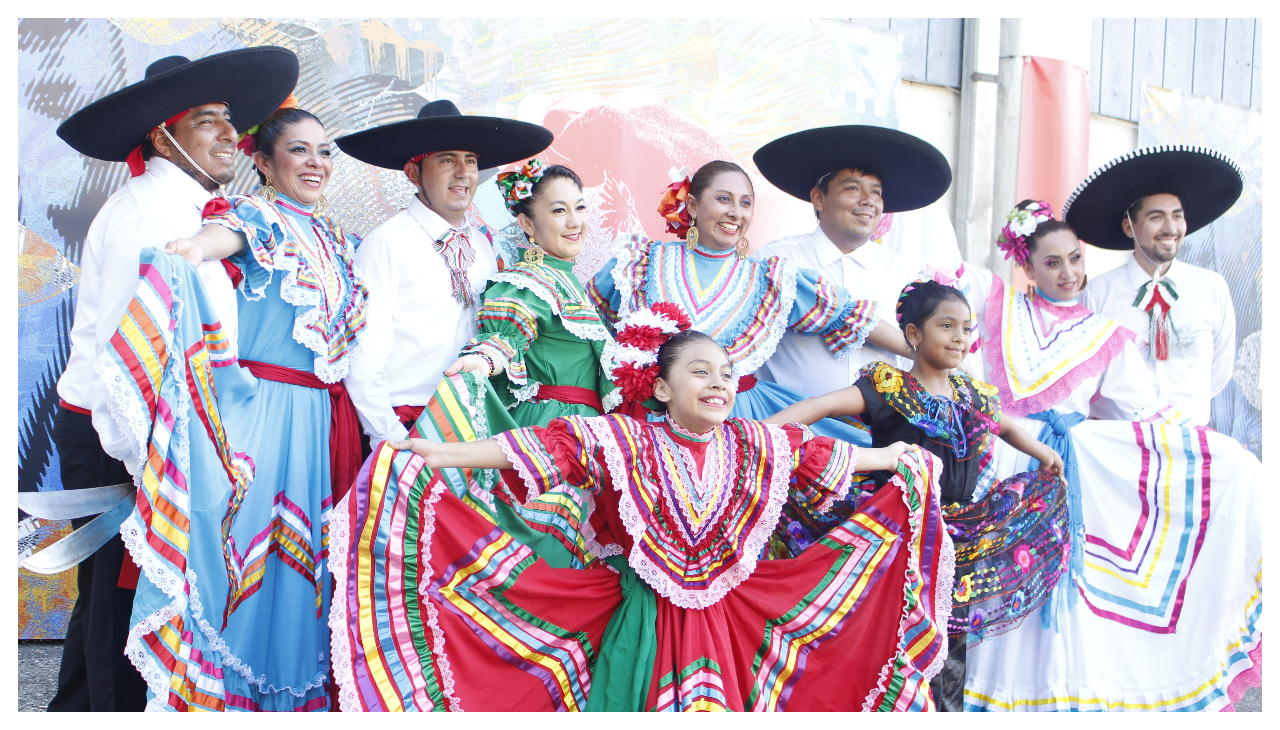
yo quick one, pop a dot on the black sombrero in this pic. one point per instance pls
(914, 173)
(251, 81)
(440, 126)
(1206, 181)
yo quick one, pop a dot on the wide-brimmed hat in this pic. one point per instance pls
(913, 172)
(252, 82)
(1206, 181)
(440, 126)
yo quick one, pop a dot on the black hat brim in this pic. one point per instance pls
(913, 173)
(495, 141)
(253, 82)
(1206, 182)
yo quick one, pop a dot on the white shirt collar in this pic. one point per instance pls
(828, 253)
(1138, 276)
(431, 222)
(177, 181)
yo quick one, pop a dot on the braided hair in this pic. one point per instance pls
(920, 299)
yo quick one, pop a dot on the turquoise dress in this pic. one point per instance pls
(743, 304)
(253, 633)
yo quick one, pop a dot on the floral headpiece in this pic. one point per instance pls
(1022, 222)
(518, 184)
(634, 352)
(934, 275)
(246, 144)
(674, 206)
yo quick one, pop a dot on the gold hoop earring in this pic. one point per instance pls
(691, 237)
(742, 249)
(266, 192)
(322, 204)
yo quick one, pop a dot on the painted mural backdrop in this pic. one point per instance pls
(1232, 245)
(632, 103)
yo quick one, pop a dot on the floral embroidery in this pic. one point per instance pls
(1022, 556)
(966, 422)
(888, 379)
(965, 590)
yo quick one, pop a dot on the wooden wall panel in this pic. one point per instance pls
(915, 46)
(1206, 74)
(1115, 79)
(943, 56)
(1095, 64)
(1237, 65)
(1179, 51)
(1148, 60)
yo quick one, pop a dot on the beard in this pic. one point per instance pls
(1157, 256)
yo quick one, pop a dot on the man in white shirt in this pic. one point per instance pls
(1182, 314)
(852, 175)
(174, 130)
(425, 267)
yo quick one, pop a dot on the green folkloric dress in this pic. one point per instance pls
(537, 322)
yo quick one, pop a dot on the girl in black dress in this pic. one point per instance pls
(1011, 544)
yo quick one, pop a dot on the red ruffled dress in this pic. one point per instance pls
(852, 623)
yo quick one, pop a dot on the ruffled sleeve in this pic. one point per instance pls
(565, 453)
(619, 285)
(263, 228)
(508, 323)
(822, 308)
(824, 469)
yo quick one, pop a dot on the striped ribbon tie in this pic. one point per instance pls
(458, 255)
(1156, 298)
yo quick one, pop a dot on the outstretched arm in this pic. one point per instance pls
(1050, 461)
(465, 455)
(843, 402)
(211, 243)
(887, 336)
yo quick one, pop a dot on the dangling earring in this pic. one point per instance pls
(320, 207)
(691, 237)
(1031, 292)
(266, 192)
(742, 249)
(1084, 283)
(534, 254)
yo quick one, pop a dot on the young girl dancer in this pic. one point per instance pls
(1010, 543)
(438, 608)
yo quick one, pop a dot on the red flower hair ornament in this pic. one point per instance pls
(631, 359)
(674, 207)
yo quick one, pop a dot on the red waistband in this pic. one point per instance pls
(571, 394)
(409, 415)
(74, 409)
(746, 382)
(344, 424)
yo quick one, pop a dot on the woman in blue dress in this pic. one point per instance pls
(232, 520)
(744, 304)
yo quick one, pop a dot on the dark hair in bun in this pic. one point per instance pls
(673, 349)
(920, 299)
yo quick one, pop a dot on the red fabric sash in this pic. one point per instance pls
(344, 424)
(74, 409)
(571, 394)
(746, 382)
(409, 415)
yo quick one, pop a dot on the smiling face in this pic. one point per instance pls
(446, 182)
(943, 341)
(559, 218)
(723, 211)
(205, 133)
(301, 161)
(1057, 265)
(851, 208)
(1158, 228)
(699, 387)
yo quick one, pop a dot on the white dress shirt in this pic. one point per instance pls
(1203, 316)
(414, 327)
(160, 205)
(802, 362)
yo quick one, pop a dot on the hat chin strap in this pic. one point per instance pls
(193, 162)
